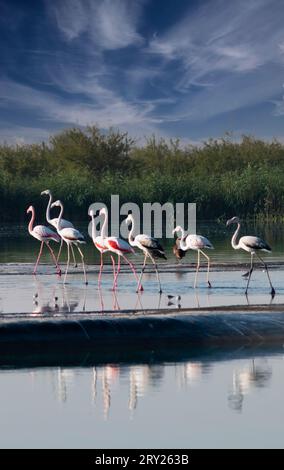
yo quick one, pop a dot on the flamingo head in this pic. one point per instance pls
(56, 204)
(233, 220)
(91, 213)
(178, 228)
(46, 191)
(30, 209)
(129, 219)
(103, 211)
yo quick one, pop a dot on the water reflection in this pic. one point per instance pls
(255, 375)
(190, 373)
(56, 299)
(142, 380)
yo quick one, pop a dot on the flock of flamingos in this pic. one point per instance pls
(151, 248)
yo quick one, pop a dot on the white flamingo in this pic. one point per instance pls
(54, 222)
(120, 248)
(151, 248)
(71, 236)
(99, 242)
(44, 235)
(252, 245)
(196, 243)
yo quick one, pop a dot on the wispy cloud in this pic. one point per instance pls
(103, 107)
(223, 37)
(231, 51)
(107, 24)
(103, 62)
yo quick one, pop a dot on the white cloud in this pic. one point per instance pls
(236, 37)
(233, 51)
(107, 24)
(103, 107)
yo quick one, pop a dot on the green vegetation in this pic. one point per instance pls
(223, 177)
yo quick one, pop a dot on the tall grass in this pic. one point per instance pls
(223, 177)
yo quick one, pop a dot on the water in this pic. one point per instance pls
(17, 246)
(200, 403)
(208, 398)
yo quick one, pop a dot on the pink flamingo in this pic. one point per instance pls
(150, 247)
(54, 222)
(120, 248)
(70, 236)
(44, 235)
(99, 242)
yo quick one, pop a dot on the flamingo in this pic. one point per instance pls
(71, 236)
(177, 251)
(44, 235)
(197, 243)
(120, 248)
(99, 242)
(150, 247)
(252, 245)
(54, 222)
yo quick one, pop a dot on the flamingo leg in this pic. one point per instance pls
(197, 268)
(266, 269)
(114, 273)
(115, 302)
(101, 300)
(157, 273)
(74, 258)
(139, 286)
(38, 258)
(249, 272)
(208, 267)
(101, 270)
(68, 262)
(118, 271)
(59, 251)
(58, 270)
(84, 269)
(131, 266)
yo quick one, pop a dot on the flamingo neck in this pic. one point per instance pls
(103, 230)
(234, 243)
(60, 217)
(93, 228)
(131, 237)
(30, 228)
(48, 208)
(182, 243)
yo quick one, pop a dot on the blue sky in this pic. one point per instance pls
(176, 68)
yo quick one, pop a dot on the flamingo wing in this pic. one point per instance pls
(254, 243)
(151, 244)
(63, 224)
(45, 233)
(72, 235)
(114, 243)
(198, 242)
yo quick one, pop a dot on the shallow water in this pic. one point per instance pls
(201, 403)
(211, 398)
(17, 246)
